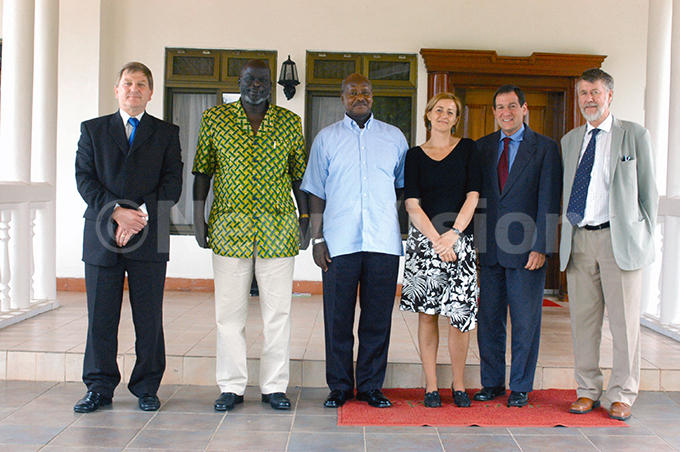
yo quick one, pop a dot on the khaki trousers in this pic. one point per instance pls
(596, 282)
(233, 277)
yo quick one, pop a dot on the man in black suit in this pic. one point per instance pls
(522, 188)
(129, 172)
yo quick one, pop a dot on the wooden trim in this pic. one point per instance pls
(195, 285)
(171, 54)
(313, 287)
(70, 284)
(489, 62)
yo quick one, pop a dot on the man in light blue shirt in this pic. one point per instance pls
(354, 171)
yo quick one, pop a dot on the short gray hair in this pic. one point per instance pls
(595, 74)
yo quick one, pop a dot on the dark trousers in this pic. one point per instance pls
(521, 291)
(375, 274)
(104, 300)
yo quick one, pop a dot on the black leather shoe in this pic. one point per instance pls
(227, 400)
(91, 402)
(432, 399)
(489, 393)
(518, 398)
(277, 400)
(375, 398)
(338, 397)
(461, 399)
(149, 402)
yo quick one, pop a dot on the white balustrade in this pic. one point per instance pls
(661, 287)
(27, 285)
(5, 272)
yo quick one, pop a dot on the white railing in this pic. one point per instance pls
(661, 283)
(27, 251)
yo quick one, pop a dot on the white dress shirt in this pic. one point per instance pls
(128, 126)
(597, 201)
(128, 131)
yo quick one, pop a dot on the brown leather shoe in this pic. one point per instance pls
(620, 411)
(584, 405)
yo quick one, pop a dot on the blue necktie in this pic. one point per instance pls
(579, 190)
(134, 122)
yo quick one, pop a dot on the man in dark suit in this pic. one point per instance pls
(522, 188)
(129, 172)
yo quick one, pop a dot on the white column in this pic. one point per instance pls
(669, 309)
(17, 89)
(673, 169)
(44, 253)
(44, 161)
(657, 95)
(20, 260)
(45, 89)
(657, 92)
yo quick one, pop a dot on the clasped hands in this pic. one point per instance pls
(443, 246)
(130, 222)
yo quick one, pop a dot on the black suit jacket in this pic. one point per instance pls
(524, 217)
(108, 173)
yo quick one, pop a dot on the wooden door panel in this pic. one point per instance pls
(476, 120)
(536, 119)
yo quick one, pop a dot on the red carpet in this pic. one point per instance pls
(546, 408)
(550, 304)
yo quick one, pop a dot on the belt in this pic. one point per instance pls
(596, 227)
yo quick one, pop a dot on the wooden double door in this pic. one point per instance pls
(548, 81)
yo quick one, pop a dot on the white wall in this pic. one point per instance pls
(93, 47)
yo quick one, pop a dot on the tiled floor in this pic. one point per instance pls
(41, 362)
(38, 416)
(50, 347)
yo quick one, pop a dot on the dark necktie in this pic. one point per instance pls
(134, 122)
(579, 190)
(503, 164)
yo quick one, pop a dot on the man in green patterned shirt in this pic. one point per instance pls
(255, 152)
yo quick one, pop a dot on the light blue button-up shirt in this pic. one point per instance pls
(513, 146)
(356, 172)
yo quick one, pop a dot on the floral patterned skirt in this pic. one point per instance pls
(432, 286)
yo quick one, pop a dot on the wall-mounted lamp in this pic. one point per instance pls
(288, 78)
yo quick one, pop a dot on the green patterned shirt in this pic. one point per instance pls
(253, 180)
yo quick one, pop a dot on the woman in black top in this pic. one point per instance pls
(441, 188)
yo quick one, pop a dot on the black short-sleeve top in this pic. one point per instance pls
(442, 186)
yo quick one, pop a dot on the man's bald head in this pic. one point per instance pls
(357, 97)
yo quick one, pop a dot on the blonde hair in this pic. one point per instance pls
(432, 102)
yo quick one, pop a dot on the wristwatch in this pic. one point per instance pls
(317, 241)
